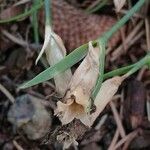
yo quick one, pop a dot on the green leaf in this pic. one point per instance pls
(64, 64)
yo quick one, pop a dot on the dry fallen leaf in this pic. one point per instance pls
(81, 85)
(54, 54)
(119, 4)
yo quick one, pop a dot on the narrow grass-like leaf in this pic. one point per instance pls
(118, 72)
(64, 64)
(139, 65)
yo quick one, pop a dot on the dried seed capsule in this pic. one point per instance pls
(29, 114)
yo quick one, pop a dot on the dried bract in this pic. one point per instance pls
(104, 96)
(77, 98)
(119, 4)
(55, 51)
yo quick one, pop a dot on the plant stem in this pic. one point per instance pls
(48, 11)
(35, 23)
(101, 45)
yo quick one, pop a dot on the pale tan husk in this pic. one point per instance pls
(104, 96)
(81, 85)
(78, 99)
(55, 51)
(73, 110)
(119, 4)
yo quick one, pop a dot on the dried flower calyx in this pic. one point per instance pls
(55, 51)
(82, 83)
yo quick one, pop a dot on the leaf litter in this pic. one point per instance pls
(75, 102)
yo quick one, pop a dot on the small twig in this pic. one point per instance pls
(137, 37)
(114, 140)
(21, 2)
(17, 146)
(141, 72)
(130, 136)
(117, 52)
(27, 34)
(122, 34)
(127, 143)
(14, 39)
(24, 44)
(148, 108)
(2, 68)
(19, 41)
(117, 119)
(7, 93)
(121, 104)
(101, 122)
(128, 39)
(116, 135)
(129, 7)
(147, 28)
